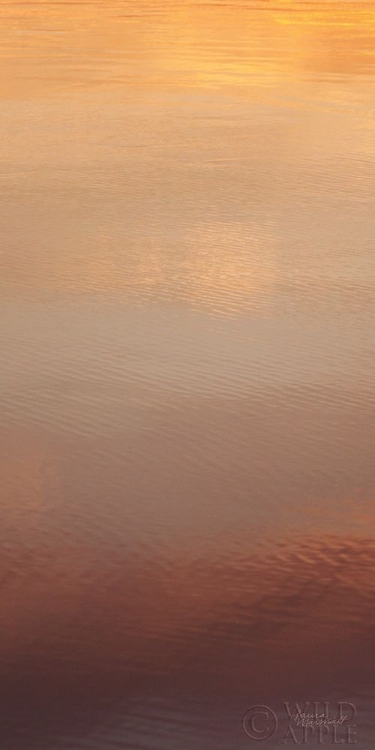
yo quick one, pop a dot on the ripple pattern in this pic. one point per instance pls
(187, 299)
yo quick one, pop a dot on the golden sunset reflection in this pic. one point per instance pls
(187, 300)
(188, 46)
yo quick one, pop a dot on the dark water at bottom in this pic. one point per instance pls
(172, 652)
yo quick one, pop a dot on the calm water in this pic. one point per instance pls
(187, 370)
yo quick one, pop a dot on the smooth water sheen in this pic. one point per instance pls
(187, 369)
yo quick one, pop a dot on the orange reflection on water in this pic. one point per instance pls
(56, 48)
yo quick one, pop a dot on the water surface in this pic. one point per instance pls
(187, 372)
